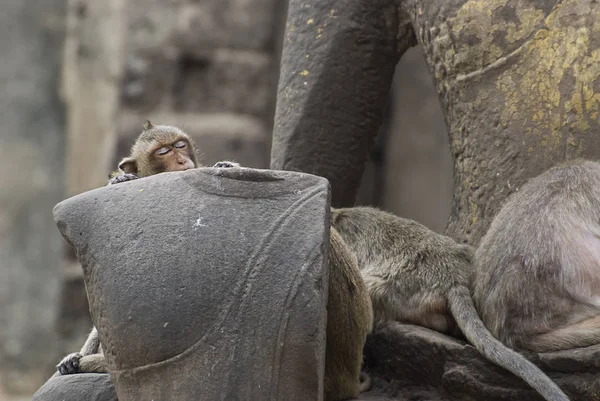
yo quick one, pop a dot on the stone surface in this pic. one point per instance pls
(32, 181)
(336, 70)
(207, 284)
(204, 56)
(413, 362)
(82, 387)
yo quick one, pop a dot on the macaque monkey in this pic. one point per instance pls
(349, 321)
(417, 276)
(164, 148)
(538, 266)
(158, 149)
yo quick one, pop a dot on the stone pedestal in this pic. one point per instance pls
(207, 284)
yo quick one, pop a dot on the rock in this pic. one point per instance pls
(413, 362)
(81, 387)
(33, 180)
(206, 284)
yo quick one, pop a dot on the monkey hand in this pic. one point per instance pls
(69, 364)
(122, 178)
(226, 164)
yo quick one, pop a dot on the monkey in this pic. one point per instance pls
(164, 148)
(158, 149)
(89, 360)
(538, 265)
(416, 276)
(349, 321)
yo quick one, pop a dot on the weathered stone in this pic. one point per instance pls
(193, 25)
(221, 80)
(336, 70)
(82, 387)
(218, 136)
(413, 361)
(32, 180)
(92, 71)
(207, 284)
(234, 24)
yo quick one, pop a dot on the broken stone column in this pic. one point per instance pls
(207, 284)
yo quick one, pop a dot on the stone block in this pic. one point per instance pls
(207, 284)
(219, 80)
(412, 362)
(82, 387)
(234, 24)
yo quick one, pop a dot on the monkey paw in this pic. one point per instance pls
(70, 364)
(122, 178)
(226, 164)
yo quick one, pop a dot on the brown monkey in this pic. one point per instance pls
(538, 266)
(350, 317)
(349, 321)
(158, 149)
(417, 276)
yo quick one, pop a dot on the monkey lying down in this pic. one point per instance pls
(417, 276)
(163, 148)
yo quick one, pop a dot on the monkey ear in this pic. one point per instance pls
(148, 125)
(128, 165)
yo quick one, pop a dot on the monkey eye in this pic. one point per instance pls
(180, 144)
(162, 151)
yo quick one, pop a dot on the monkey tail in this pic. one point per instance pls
(465, 314)
(365, 382)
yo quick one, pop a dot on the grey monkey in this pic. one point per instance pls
(414, 275)
(538, 285)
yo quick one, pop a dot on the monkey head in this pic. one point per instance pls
(159, 149)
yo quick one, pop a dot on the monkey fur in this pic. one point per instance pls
(538, 265)
(349, 321)
(349, 311)
(414, 275)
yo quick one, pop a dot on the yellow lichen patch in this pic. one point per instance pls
(474, 212)
(304, 73)
(310, 21)
(476, 19)
(558, 55)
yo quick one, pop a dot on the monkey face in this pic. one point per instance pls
(174, 157)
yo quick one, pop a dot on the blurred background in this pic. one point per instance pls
(78, 80)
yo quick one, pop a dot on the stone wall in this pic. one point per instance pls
(31, 183)
(208, 66)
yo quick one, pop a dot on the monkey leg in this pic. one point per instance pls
(349, 320)
(427, 309)
(95, 363)
(577, 335)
